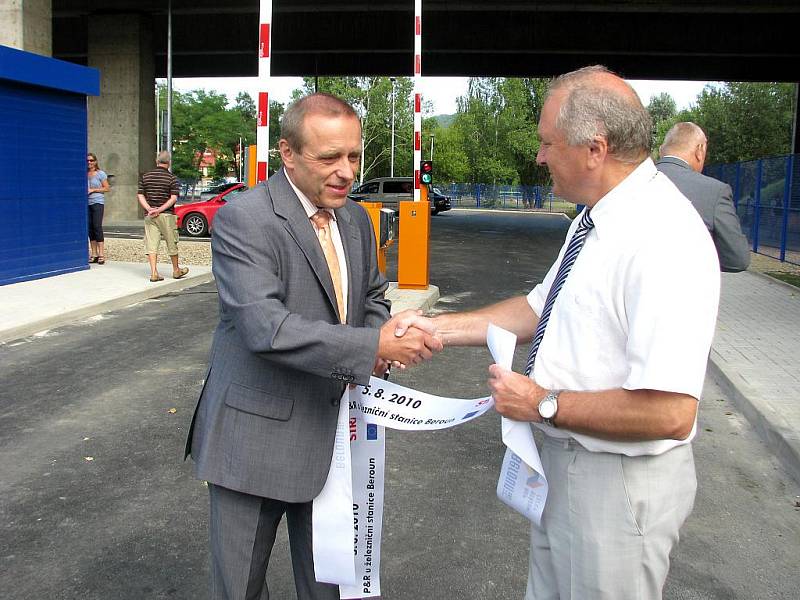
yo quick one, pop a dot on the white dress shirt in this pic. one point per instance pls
(639, 307)
(335, 237)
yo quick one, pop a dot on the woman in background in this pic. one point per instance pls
(98, 186)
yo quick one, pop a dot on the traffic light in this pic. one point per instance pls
(426, 171)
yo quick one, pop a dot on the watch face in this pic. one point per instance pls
(547, 408)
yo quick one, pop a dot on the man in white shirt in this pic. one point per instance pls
(620, 367)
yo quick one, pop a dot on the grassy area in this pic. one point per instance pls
(790, 278)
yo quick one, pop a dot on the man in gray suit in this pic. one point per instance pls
(683, 155)
(302, 314)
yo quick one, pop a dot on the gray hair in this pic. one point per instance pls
(683, 137)
(592, 108)
(318, 103)
(163, 158)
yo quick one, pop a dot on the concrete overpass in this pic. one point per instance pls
(745, 40)
(735, 40)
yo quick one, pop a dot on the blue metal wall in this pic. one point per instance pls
(42, 182)
(43, 196)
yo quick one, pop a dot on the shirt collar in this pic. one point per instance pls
(672, 156)
(618, 199)
(308, 206)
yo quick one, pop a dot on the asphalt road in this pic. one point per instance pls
(96, 502)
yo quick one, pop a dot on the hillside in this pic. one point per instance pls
(445, 120)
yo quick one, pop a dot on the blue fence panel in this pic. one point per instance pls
(766, 193)
(507, 197)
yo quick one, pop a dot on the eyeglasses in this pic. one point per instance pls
(90, 160)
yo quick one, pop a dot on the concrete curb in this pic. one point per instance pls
(401, 300)
(776, 433)
(771, 279)
(411, 299)
(158, 289)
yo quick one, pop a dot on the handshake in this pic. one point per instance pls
(408, 338)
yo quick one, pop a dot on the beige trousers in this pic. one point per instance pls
(162, 226)
(609, 524)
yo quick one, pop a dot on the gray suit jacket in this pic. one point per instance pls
(280, 360)
(713, 200)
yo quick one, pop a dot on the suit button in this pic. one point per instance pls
(335, 402)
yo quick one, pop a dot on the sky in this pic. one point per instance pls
(442, 91)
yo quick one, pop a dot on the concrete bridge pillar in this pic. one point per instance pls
(122, 117)
(27, 25)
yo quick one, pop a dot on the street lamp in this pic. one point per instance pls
(432, 136)
(391, 167)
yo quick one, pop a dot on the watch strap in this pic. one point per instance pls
(552, 396)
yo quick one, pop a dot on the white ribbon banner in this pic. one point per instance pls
(367, 441)
(332, 513)
(348, 513)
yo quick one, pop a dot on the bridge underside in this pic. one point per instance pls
(738, 40)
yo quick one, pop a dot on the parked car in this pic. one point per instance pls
(392, 190)
(196, 218)
(218, 189)
(440, 202)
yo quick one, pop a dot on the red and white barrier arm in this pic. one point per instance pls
(417, 95)
(262, 122)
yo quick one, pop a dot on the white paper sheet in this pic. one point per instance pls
(522, 484)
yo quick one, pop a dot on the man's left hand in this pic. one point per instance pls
(380, 368)
(515, 396)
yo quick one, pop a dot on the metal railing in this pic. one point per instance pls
(508, 197)
(766, 193)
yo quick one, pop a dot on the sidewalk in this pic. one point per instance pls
(755, 355)
(32, 306)
(756, 358)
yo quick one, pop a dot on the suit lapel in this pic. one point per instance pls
(287, 206)
(354, 256)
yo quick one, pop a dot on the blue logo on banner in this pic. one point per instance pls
(534, 481)
(372, 431)
(468, 415)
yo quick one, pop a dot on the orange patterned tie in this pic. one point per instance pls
(322, 220)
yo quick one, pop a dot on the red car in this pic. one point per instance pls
(196, 218)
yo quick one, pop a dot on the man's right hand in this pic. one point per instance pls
(413, 345)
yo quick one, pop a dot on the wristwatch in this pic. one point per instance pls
(548, 407)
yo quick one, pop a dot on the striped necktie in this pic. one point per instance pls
(570, 255)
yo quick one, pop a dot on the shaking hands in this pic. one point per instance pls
(408, 338)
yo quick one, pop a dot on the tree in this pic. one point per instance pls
(491, 139)
(745, 121)
(663, 112)
(276, 110)
(370, 97)
(662, 107)
(202, 120)
(450, 160)
(524, 100)
(496, 129)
